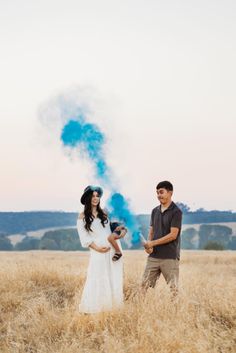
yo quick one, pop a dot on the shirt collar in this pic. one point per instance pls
(169, 208)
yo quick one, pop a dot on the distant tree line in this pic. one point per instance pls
(208, 237)
(23, 222)
(61, 239)
(202, 216)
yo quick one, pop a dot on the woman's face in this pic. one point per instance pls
(95, 198)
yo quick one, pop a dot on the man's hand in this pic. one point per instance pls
(148, 244)
(149, 251)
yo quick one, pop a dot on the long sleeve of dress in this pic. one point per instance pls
(85, 238)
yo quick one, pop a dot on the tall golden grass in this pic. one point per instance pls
(40, 292)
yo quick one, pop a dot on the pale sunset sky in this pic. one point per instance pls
(157, 77)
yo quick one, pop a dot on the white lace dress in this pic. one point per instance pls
(103, 288)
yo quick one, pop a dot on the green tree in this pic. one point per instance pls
(28, 243)
(189, 238)
(61, 239)
(48, 244)
(184, 208)
(214, 232)
(232, 243)
(5, 243)
(213, 245)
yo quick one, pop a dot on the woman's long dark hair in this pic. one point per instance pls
(88, 216)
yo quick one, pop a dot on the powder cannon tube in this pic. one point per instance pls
(142, 239)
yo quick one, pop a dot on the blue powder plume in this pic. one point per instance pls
(119, 209)
(89, 140)
(88, 137)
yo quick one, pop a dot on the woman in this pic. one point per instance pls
(103, 288)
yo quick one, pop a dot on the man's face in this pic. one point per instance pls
(163, 195)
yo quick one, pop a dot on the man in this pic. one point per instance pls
(163, 245)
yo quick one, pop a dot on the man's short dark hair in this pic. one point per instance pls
(165, 185)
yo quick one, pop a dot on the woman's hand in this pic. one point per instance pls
(103, 249)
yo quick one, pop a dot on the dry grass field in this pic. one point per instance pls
(40, 291)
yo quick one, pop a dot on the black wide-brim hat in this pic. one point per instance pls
(89, 190)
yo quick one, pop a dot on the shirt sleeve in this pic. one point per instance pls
(176, 221)
(151, 219)
(84, 236)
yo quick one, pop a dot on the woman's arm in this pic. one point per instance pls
(86, 239)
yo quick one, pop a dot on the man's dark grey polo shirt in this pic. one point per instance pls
(161, 223)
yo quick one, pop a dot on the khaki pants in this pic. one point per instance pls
(168, 267)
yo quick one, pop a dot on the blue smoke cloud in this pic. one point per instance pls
(119, 209)
(88, 137)
(80, 134)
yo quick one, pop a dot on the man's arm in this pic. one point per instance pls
(150, 237)
(164, 240)
(150, 233)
